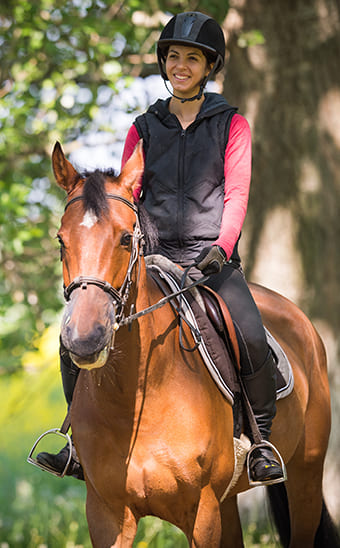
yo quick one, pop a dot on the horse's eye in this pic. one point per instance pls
(125, 239)
(62, 247)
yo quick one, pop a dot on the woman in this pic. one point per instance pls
(195, 188)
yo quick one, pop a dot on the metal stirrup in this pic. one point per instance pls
(265, 443)
(34, 461)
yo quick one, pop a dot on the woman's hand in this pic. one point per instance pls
(211, 260)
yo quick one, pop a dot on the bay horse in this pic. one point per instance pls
(153, 433)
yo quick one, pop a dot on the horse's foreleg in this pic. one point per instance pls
(207, 527)
(107, 528)
(231, 525)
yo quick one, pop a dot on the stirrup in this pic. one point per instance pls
(34, 461)
(265, 443)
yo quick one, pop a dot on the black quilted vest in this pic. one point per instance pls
(183, 183)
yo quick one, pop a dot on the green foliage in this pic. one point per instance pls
(56, 57)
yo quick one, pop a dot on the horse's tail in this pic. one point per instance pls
(278, 500)
(326, 535)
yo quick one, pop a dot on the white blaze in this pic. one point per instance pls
(89, 219)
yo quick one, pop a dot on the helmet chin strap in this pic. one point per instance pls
(202, 86)
(185, 99)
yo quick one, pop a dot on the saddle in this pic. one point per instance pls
(219, 315)
(208, 315)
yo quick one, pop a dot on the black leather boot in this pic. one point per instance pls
(57, 463)
(261, 390)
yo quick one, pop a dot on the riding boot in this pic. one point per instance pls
(261, 391)
(69, 374)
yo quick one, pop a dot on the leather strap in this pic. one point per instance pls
(229, 324)
(67, 422)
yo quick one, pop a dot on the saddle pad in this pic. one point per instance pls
(202, 347)
(172, 274)
(284, 376)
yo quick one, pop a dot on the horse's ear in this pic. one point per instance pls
(63, 170)
(133, 169)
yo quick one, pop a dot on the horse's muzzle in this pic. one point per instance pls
(87, 326)
(91, 362)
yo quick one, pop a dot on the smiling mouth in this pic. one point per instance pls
(181, 78)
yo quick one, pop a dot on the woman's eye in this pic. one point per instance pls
(125, 239)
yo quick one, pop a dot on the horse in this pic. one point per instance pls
(153, 433)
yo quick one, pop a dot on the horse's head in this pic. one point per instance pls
(99, 238)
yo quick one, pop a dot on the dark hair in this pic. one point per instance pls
(210, 57)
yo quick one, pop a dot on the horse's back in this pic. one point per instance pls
(309, 403)
(290, 326)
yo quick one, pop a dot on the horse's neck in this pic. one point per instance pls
(123, 377)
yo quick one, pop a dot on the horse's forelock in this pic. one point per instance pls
(94, 191)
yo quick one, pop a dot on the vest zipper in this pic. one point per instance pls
(180, 194)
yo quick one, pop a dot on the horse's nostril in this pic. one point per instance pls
(85, 342)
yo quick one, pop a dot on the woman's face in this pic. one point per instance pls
(186, 67)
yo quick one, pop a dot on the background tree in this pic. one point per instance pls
(283, 74)
(57, 59)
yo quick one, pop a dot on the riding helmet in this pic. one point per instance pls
(196, 29)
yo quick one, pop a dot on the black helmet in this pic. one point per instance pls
(196, 29)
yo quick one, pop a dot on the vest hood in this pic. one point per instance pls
(214, 103)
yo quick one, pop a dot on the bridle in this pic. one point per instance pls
(120, 296)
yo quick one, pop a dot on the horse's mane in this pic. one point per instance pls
(95, 200)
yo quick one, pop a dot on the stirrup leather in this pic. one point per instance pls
(265, 443)
(33, 460)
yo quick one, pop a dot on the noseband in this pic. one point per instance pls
(119, 296)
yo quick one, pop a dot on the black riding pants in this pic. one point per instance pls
(231, 285)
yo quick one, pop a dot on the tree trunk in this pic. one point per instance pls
(283, 74)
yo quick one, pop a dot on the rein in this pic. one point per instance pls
(120, 297)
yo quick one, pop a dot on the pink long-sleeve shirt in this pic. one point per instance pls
(237, 171)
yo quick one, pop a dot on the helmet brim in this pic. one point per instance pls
(168, 42)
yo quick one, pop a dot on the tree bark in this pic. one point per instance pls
(289, 89)
(285, 79)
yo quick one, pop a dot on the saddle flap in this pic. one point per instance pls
(219, 315)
